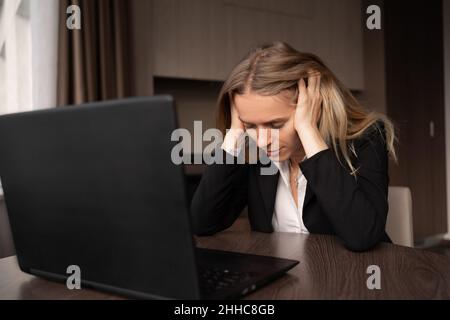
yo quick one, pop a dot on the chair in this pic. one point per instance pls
(399, 225)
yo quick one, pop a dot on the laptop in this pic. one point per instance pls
(93, 186)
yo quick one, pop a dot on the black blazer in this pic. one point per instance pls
(335, 202)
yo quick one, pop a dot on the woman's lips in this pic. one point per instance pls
(272, 153)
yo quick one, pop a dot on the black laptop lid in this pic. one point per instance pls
(94, 186)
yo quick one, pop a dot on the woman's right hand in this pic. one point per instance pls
(236, 123)
(232, 142)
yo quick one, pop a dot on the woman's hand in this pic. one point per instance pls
(307, 114)
(309, 103)
(233, 138)
(236, 123)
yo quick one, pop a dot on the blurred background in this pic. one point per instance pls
(187, 47)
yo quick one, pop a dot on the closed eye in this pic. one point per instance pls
(249, 126)
(270, 125)
(276, 125)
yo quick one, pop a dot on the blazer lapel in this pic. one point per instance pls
(308, 196)
(268, 187)
(306, 214)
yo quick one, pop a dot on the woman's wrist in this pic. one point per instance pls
(302, 126)
(232, 142)
(311, 139)
(237, 128)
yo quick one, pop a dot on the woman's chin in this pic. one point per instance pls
(278, 156)
(282, 158)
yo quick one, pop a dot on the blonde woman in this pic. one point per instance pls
(332, 154)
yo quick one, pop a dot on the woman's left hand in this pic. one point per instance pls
(309, 103)
(307, 114)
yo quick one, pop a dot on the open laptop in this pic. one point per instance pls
(94, 186)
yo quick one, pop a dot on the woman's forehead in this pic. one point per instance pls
(256, 108)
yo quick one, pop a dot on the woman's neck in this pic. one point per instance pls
(297, 156)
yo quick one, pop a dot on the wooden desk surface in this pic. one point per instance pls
(326, 270)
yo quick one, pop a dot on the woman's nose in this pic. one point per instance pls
(263, 138)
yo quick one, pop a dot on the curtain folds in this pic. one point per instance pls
(94, 62)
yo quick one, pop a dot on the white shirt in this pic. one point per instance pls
(287, 217)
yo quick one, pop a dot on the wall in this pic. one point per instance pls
(28, 55)
(374, 94)
(44, 58)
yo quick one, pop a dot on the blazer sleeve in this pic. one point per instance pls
(220, 197)
(356, 207)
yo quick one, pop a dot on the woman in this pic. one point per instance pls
(332, 154)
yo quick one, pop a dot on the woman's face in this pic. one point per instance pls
(270, 112)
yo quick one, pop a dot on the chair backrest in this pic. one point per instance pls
(399, 225)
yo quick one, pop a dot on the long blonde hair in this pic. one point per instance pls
(274, 68)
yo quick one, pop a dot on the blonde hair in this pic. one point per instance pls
(274, 68)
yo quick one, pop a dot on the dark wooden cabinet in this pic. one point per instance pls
(204, 39)
(415, 101)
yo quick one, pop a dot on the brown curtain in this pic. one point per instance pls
(94, 62)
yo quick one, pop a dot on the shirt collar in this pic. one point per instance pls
(283, 166)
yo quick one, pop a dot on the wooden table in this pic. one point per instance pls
(326, 270)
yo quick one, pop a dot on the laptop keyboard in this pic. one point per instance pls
(215, 279)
